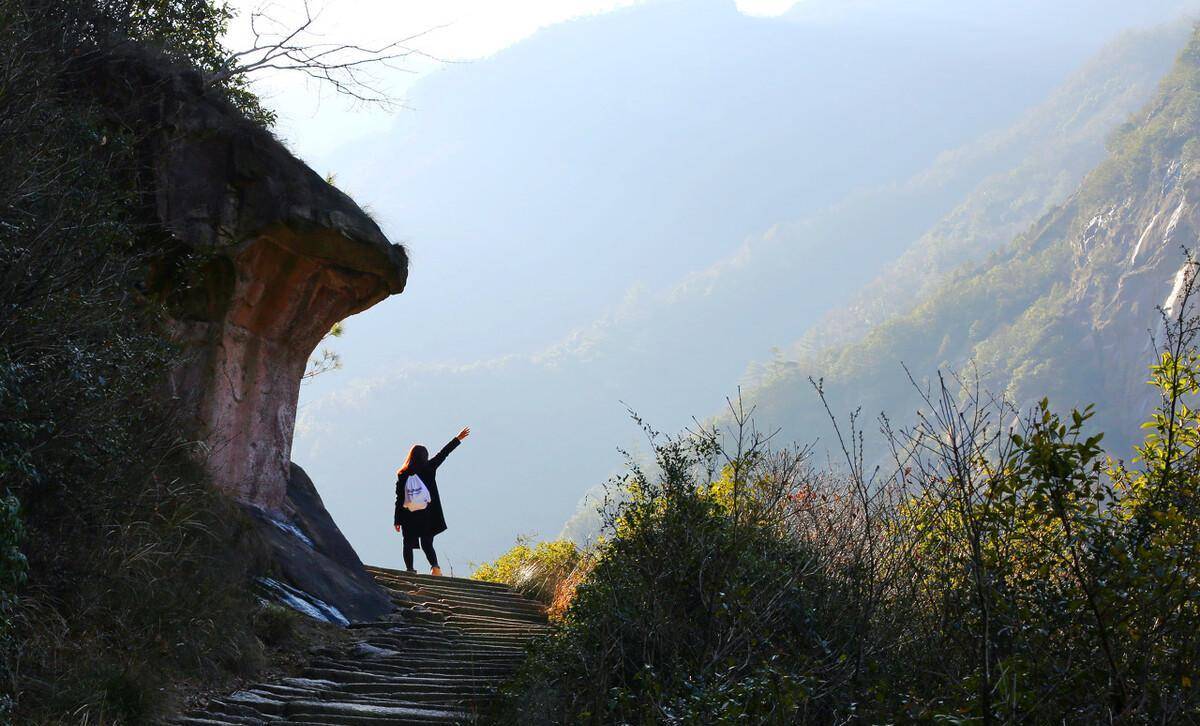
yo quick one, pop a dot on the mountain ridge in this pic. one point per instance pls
(1068, 310)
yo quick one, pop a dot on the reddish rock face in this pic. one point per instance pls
(284, 256)
(243, 378)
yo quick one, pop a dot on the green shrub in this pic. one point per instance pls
(537, 572)
(692, 610)
(1002, 573)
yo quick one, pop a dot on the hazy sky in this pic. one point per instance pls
(314, 122)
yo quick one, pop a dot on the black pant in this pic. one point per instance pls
(426, 542)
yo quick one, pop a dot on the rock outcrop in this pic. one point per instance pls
(262, 258)
(285, 256)
(311, 555)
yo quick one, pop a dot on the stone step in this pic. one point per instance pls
(418, 590)
(517, 616)
(510, 617)
(213, 720)
(391, 691)
(447, 580)
(442, 669)
(435, 602)
(340, 719)
(476, 625)
(445, 584)
(454, 703)
(397, 712)
(470, 650)
(319, 719)
(439, 659)
(421, 665)
(487, 642)
(463, 632)
(399, 681)
(416, 659)
(401, 647)
(466, 621)
(247, 703)
(376, 692)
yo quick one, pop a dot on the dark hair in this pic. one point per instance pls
(418, 456)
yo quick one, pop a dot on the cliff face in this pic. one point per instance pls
(285, 256)
(293, 257)
(255, 257)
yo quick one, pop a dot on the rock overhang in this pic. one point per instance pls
(286, 256)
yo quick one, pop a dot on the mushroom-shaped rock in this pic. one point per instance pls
(285, 256)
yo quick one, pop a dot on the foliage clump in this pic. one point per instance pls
(699, 606)
(1002, 569)
(538, 571)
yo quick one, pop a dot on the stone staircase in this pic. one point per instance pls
(438, 660)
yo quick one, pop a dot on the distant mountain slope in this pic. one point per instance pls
(633, 148)
(1056, 143)
(548, 423)
(1002, 184)
(1065, 311)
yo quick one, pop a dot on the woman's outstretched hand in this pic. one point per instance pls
(464, 433)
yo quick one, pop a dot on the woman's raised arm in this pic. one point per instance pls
(440, 456)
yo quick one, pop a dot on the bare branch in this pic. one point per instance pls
(345, 67)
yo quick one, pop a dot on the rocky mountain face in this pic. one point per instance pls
(276, 256)
(1067, 311)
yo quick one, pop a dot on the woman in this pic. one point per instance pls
(420, 526)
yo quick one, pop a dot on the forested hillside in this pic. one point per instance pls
(1053, 147)
(1067, 310)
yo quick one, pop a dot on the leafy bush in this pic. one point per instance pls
(695, 608)
(537, 572)
(13, 571)
(1005, 571)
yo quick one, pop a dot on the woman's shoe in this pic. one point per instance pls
(436, 572)
(411, 572)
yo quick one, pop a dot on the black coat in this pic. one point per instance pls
(430, 520)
